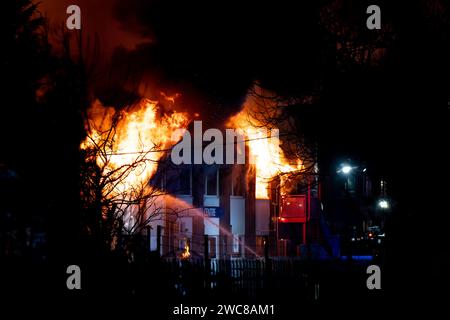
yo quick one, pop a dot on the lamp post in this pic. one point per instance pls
(346, 171)
(351, 175)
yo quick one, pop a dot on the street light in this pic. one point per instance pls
(383, 204)
(346, 169)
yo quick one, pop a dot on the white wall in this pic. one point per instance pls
(211, 201)
(262, 208)
(237, 215)
(212, 226)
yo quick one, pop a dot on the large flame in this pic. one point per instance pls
(264, 144)
(139, 139)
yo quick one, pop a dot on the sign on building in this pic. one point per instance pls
(293, 208)
(213, 212)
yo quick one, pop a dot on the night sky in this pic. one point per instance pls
(212, 52)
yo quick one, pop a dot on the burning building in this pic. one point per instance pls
(225, 208)
(237, 205)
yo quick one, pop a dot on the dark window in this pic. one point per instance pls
(185, 181)
(179, 181)
(212, 182)
(212, 247)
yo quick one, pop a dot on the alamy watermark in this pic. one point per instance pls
(74, 279)
(74, 20)
(191, 150)
(374, 280)
(374, 20)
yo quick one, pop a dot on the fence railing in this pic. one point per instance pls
(249, 277)
(256, 278)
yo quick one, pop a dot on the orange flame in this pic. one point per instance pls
(264, 145)
(186, 254)
(141, 138)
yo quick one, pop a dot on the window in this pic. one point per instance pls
(179, 181)
(183, 242)
(212, 183)
(212, 247)
(182, 227)
(237, 244)
(185, 181)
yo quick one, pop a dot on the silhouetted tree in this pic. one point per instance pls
(116, 202)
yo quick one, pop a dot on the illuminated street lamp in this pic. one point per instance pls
(346, 169)
(383, 204)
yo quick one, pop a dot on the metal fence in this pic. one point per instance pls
(256, 278)
(248, 277)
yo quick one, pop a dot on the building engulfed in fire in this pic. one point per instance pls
(221, 202)
(225, 210)
(238, 207)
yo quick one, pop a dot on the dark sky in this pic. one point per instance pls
(212, 51)
(216, 48)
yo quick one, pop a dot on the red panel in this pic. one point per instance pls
(293, 208)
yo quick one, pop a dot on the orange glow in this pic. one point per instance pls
(186, 253)
(169, 98)
(142, 137)
(265, 150)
